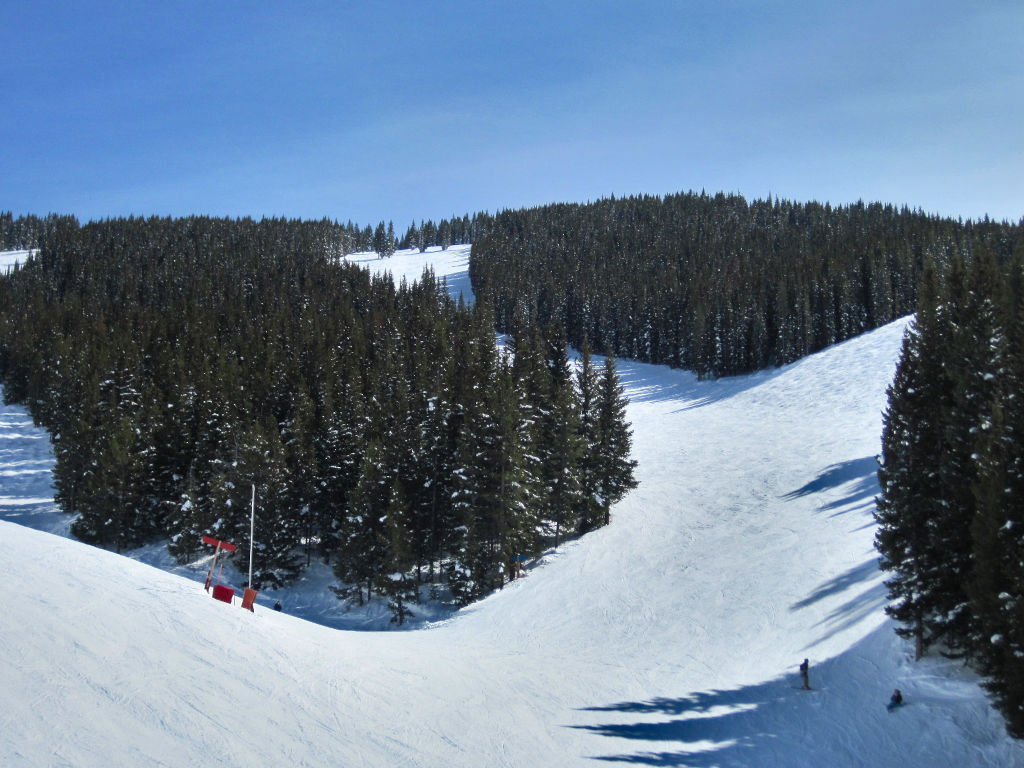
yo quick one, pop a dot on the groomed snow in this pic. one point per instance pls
(9, 258)
(670, 637)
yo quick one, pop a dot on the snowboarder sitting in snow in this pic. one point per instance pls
(896, 699)
(805, 676)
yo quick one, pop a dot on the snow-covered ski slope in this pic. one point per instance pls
(671, 637)
(8, 259)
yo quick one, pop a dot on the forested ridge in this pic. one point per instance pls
(26, 232)
(715, 284)
(178, 362)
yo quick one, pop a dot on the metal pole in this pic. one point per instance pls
(252, 532)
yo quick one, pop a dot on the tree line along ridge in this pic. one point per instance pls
(715, 284)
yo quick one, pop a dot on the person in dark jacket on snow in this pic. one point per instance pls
(896, 699)
(805, 675)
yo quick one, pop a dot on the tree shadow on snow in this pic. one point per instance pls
(840, 583)
(772, 723)
(864, 603)
(868, 603)
(860, 474)
(458, 284)
(646, 382)
(733, 727)
(862, 470)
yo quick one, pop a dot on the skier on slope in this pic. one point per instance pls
(896, 699)
(805, 675)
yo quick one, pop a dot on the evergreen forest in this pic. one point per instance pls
(951, 511)
(715, 284)
(177, 363)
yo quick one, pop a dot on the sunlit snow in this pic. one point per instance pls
(8, 259)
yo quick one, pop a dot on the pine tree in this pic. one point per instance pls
(615, 439)
(111, 501)
(108, 502)
(199, 506)
(380, 241)
(990, 569)
(428, 233)
(411, 238)
(260, 462)
(397, 581)
(71, 462)
(494, 525)
(363, 552)
(910, 473)
(444, 234)
(428, 478)
(389, 240)
(997, 585)
(421, 238)
(591, 512)
(339, 447)
(975, 364)
(303, 487)
(559, 447)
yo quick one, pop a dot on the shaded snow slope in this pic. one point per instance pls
(26, 480)
(670, 637)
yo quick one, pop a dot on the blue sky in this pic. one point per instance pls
(398, 111)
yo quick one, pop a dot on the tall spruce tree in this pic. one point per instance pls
(480, 525)
(364, 552)
(997, 584)
(975, 366)
(559, 446)
(591, 511)
(910, 472)
(109, 503)
(397, 581)
(615, 440)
